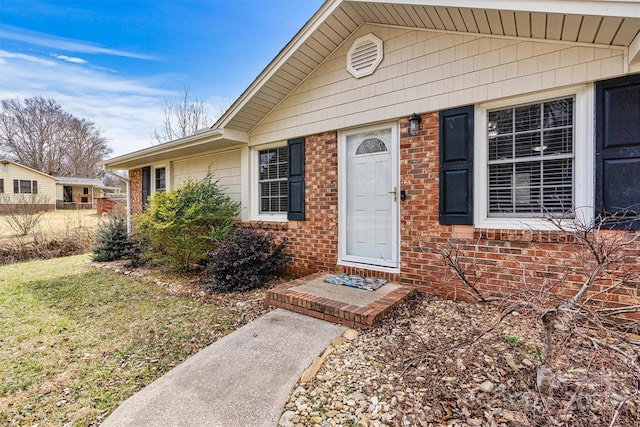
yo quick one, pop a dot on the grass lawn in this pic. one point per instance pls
(76, 341)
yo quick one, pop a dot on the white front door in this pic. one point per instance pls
(369, 196)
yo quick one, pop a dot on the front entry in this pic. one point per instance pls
(369, 196)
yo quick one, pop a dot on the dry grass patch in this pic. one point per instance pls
(52, 223)
(76, 341)
(57, 234)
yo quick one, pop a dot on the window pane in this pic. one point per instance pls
(519, 183)
(161, 174)
(501, 147)
(528, 144)
(527, 187)
(527, 118)
(25, 186)
(370, 146)
(273, 180)
(264, 205)
(558, 113)
(502, 121)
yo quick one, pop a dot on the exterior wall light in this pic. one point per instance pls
(414, 124)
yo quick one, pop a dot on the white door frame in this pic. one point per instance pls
(343, 259)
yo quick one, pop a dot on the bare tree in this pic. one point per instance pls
(185, 115)
(42, 136)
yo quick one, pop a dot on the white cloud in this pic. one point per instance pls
(71, 59)
(69, 45)
(126, 110)
(23, 57)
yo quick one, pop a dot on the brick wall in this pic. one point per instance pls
(314, 242)
(508, 260)
(135, 179)
(106, 205)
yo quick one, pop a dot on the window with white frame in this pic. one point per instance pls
(272, 180)
(26, 187)
(161, 179)
(534, 159)
(531, 159)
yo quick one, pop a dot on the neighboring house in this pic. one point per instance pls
(22, 185)
(386, 128)
(78, 193)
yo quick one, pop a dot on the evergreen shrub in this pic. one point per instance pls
(112, 240)
(180, 226)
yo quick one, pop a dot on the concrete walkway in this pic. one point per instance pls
(243, 379)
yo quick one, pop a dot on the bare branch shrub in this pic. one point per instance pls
(584, 301)
(38, 244)
(22, 212)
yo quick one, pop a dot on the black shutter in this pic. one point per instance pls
(16, 186)
(456, 166)
(295, 183)
(1, 185)
(146, 185)
(618, 151)
(34, 187)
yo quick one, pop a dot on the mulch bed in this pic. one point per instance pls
(460, 374)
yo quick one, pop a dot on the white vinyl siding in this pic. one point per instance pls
(225, 167)
(426, 71)
(46, 185)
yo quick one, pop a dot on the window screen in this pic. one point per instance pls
(531, 159)
(273, 180)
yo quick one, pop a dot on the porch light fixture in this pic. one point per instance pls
(414, 124)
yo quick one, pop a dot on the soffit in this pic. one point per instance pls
(185, 147)
(608, 23)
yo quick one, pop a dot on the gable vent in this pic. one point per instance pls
(364, 56)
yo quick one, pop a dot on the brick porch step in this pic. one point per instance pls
(355, 308)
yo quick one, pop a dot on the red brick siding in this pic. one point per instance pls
(508, 259)
(314, 242)
(105, 205)
(135, 179)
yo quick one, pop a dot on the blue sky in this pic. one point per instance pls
(114, 62)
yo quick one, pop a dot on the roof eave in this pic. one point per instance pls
(28, 168)
(619, 8)
(199, 142)
(312, 24)
(611, 8)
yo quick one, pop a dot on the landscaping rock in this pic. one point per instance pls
(350, 334)
(432, 362)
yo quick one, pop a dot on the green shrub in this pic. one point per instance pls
(112, 240)
(245, 260)
(182, 225)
